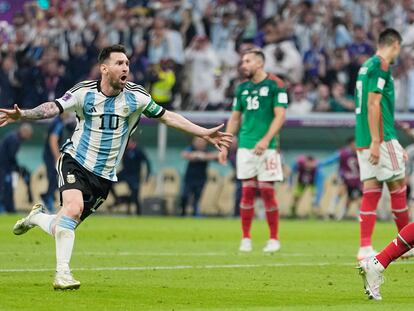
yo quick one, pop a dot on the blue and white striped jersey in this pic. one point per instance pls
(104, 123)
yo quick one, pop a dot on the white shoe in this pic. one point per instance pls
(365, 252)
(272, 246)
(408, 254)
(65, 280)
(371, 271)
(245, 245)
(23, 225)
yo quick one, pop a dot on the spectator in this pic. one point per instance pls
(299, 104)
(283, 59)
(195, 177)
(163, 80)
(202, 61)
(7, 81)
(223, 35)
(339, 69)
(217, 96)
(132, 163)
(51, 155)
(360, 44)
(308, 175)
(315, 60)
(71, 34)
(340, 101)
(323, 99)
(306, 28)
(158, 45)
(9, 146)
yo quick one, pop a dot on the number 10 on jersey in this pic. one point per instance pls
(110, 121)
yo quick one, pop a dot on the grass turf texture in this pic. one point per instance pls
(193, 264)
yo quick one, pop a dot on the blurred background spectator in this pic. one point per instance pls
(47, 49)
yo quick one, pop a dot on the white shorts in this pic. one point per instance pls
(391, 164)
(266, 167)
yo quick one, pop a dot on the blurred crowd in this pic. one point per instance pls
(186, 52)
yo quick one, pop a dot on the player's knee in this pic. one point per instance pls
(248, 193)
(267, 193)
(72, 208)
(370, 199)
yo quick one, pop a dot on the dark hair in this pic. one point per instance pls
(255, 51)
(106, 52)
(389, 36)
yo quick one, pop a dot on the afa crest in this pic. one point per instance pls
(71, 179)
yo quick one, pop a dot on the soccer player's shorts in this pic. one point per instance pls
(266, 167)
(391, 164)
(71, 175)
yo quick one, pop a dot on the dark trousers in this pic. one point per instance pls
(134, 186)
(6, 192)
(49, 196)
(237, 197)
(191, 189)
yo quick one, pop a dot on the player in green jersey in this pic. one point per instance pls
(380, 156)
(258, 115)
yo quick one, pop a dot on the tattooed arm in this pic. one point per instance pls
(43, 111)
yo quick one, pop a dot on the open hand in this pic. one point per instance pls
(8, 116)
(217, 138)
(374, 153)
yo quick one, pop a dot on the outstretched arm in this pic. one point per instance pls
(213, 135)
(44, 111)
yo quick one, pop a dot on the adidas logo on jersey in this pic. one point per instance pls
(93, 109)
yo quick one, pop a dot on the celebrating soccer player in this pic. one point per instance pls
(108, 111)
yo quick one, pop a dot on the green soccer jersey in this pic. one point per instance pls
(374, 76)
(256, 103)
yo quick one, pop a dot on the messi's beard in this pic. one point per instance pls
(115, 85)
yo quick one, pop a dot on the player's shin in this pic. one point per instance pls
(44, 221)
(65, 238)
(247, 205)
(368, 215)
(399, 207)
(267, 193)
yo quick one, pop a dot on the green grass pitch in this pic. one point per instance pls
(129, 263)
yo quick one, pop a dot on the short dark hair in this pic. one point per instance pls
(105, 53)
(389, 36)
(255, 51)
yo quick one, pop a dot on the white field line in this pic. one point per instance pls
(174, 254)
(186, 267)
(202, 267)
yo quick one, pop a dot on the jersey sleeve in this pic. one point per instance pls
(237, 100)
(70, 101)
(281, 98)
(376, 79)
